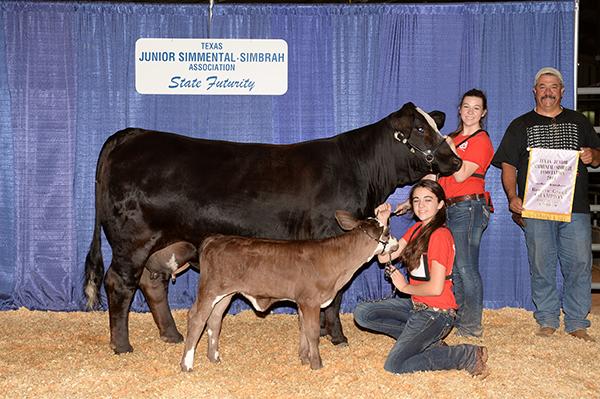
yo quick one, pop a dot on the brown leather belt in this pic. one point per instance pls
(461, 198)
(419, 306)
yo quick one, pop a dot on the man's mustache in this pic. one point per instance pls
(549, 96)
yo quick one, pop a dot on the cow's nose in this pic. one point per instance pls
(457, 163)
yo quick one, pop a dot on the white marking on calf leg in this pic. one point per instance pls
(212, 342)
(188, 360)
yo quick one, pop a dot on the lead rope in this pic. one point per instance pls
(389, 269)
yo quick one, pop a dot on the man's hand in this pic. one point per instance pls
(515, 204)
(589, 156)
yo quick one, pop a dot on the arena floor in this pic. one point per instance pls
(66, 355)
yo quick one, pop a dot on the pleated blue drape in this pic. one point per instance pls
(67, 82)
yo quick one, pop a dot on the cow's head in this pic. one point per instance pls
(419, 131)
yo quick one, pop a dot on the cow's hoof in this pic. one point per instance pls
(172, 338)
(123, 348)
(340, 342)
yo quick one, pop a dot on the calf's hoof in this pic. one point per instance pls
(316, 365)
(185, 368)
(214, 359)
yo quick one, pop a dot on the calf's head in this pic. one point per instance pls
(373, 229)
(419, 131)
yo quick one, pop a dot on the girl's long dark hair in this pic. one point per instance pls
(470, 93)
(411, 256)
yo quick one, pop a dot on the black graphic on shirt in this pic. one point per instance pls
(556, 136)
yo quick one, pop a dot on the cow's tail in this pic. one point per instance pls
(94, 267)
(94, 264)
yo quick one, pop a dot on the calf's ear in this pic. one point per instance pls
(439, 117)
(346, 220)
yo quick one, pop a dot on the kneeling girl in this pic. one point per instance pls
(419, 323)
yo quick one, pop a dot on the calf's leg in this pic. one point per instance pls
(303, 350)
(197, 316)
(213, 327)
(310, 322)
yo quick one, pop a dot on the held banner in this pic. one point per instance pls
(211, 66)
(550, 184)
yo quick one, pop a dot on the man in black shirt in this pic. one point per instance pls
(551, 126)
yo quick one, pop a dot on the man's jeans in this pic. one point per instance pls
(418, 336)
(467, 221)
(569, 244)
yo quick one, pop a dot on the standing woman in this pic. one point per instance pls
(420, 323)
(468, 209)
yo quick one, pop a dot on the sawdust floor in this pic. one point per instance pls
(67, 355)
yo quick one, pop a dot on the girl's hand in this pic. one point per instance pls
(397, 278)
(383, 212)
(402, 208)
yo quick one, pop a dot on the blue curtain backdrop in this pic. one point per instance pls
(67, 82)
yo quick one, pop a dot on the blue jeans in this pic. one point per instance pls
(418, 335)
(467, 221)
(569, 244)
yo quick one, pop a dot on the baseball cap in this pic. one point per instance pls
(549, 71)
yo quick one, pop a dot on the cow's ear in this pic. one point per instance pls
(439, 117)
(346, 220)
(404, 119)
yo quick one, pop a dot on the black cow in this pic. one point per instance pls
(154, 189)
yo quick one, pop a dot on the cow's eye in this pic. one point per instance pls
(420, 130)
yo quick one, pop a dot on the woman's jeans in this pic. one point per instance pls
(467, 221)
(418, 335)
(569, 244)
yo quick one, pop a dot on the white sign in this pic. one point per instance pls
(550, 184)
(211, 66)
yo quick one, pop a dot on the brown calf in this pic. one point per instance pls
(309, 273)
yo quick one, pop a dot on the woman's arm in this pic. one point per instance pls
(433, 287)
(465, 171)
